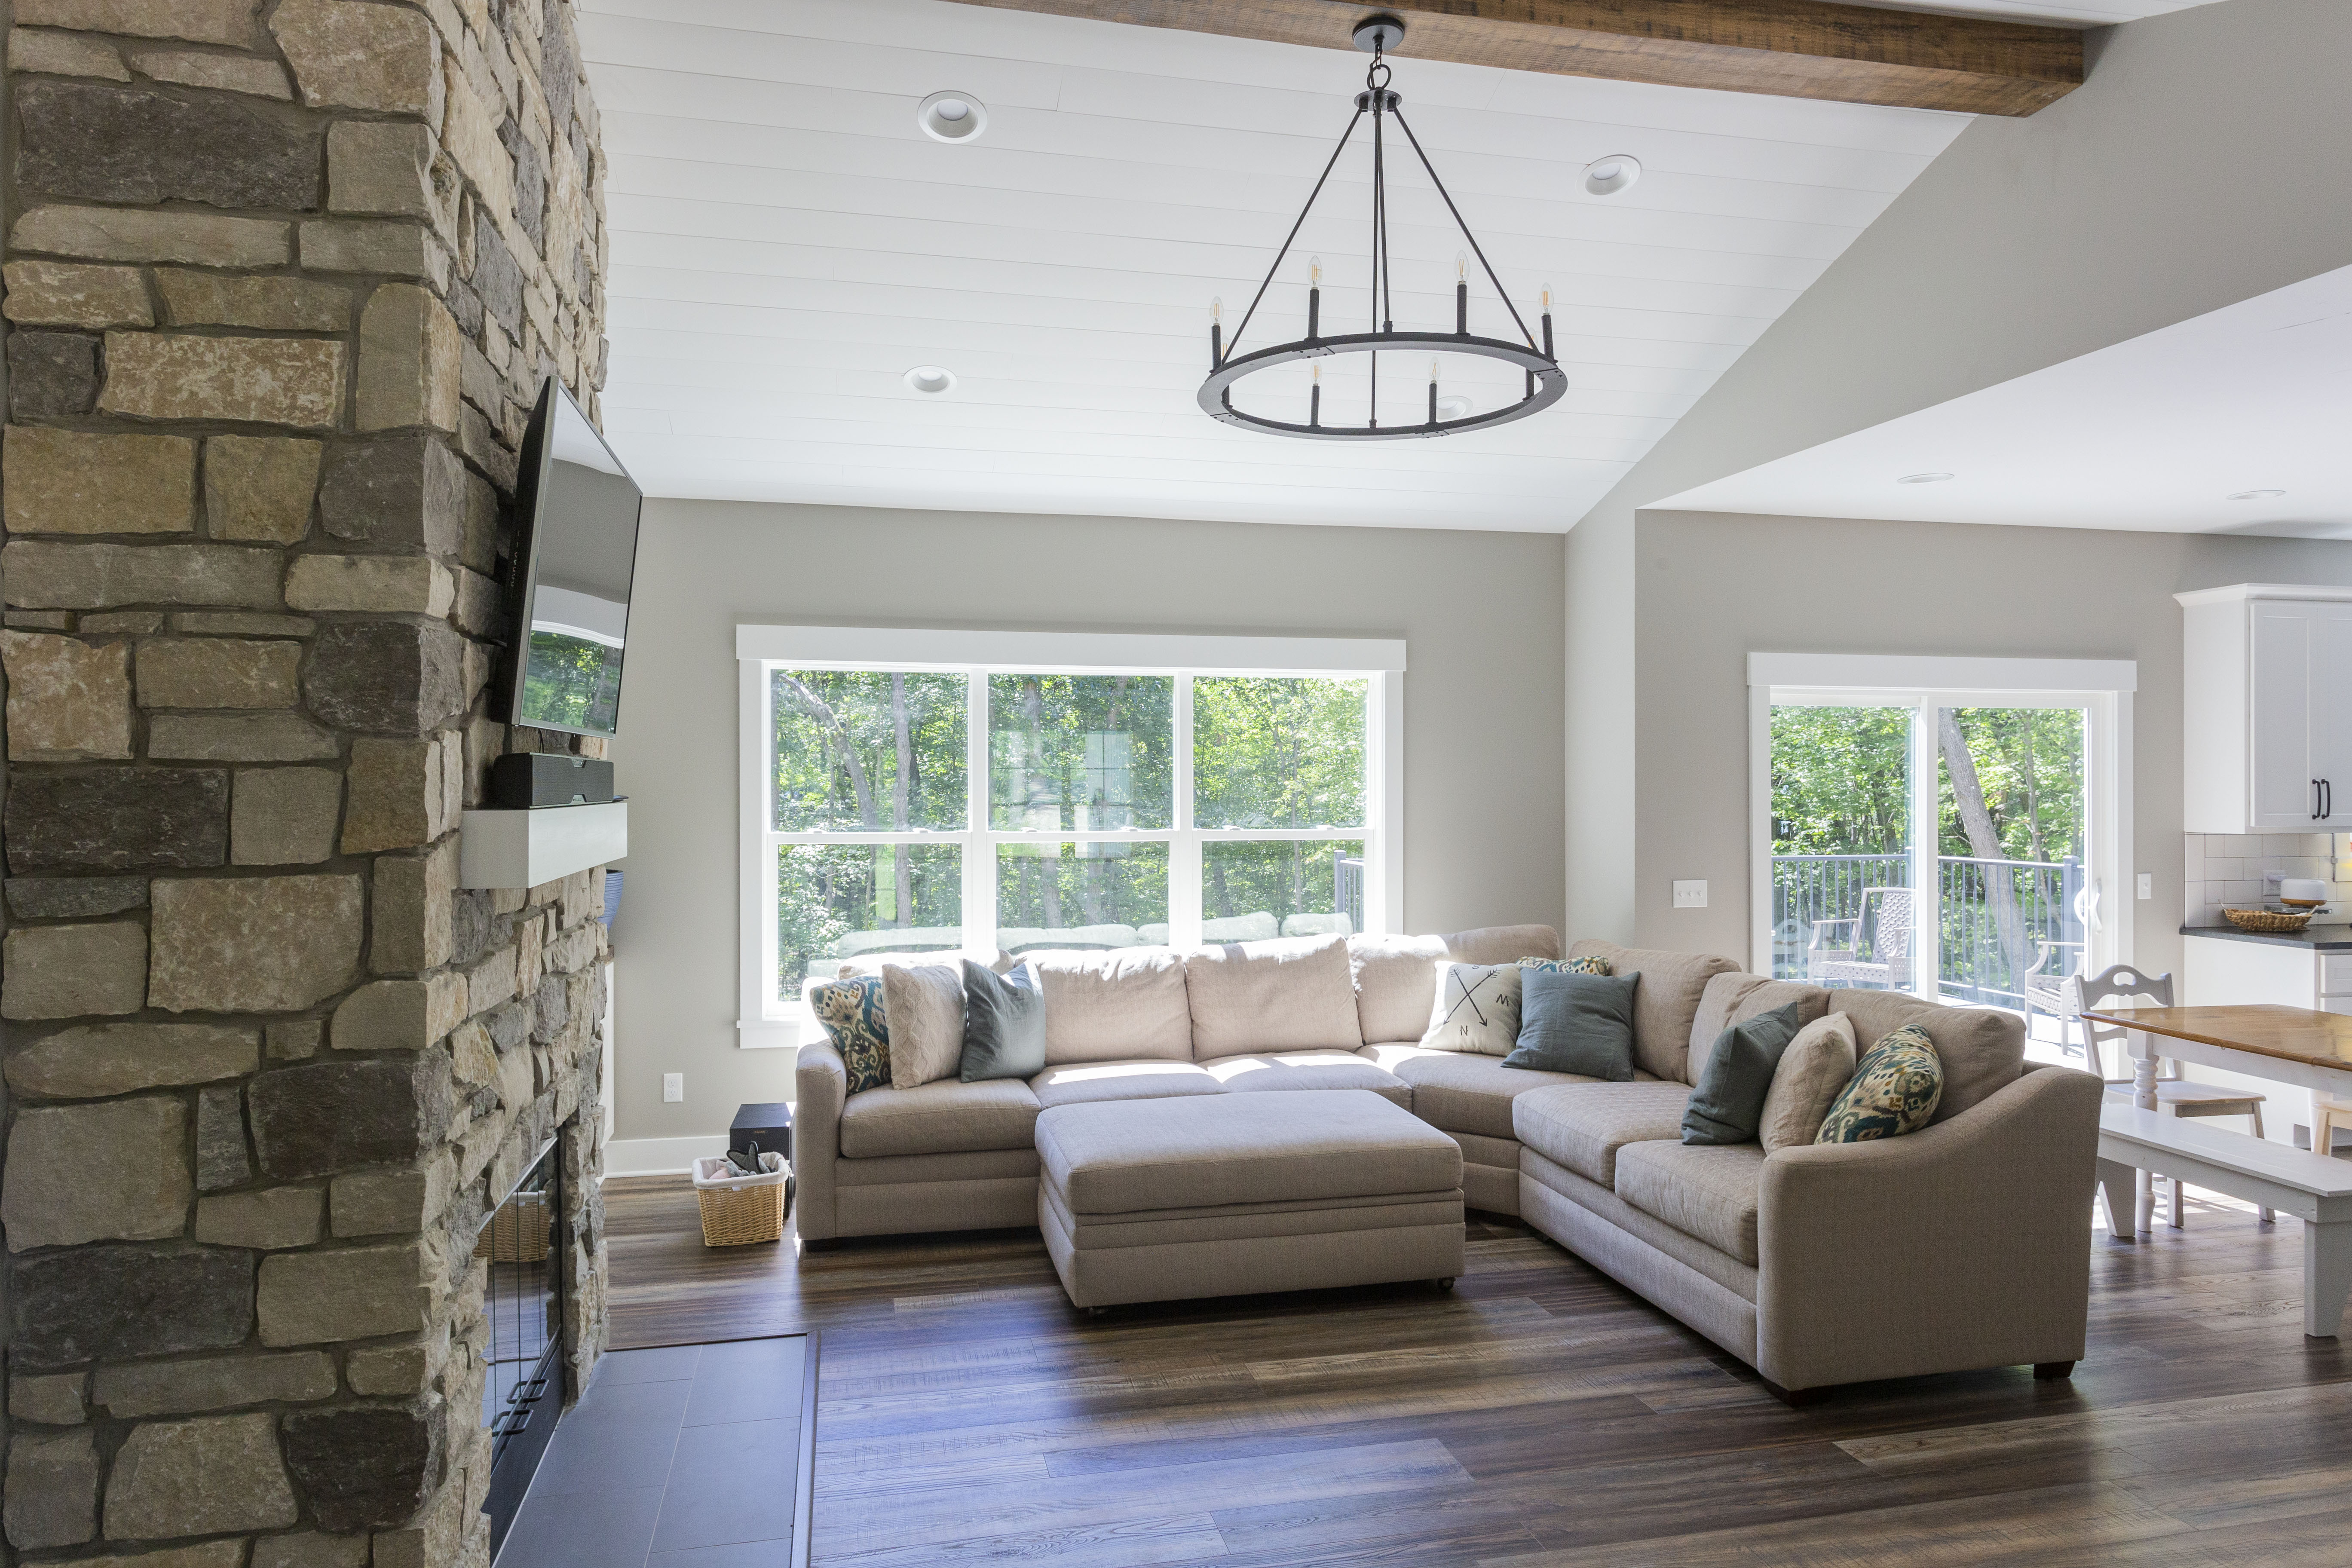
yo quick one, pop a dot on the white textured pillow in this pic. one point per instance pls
(1810, 1075)
(922, 1006)
(1477, 1008)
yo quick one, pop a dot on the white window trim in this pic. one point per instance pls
(2103, 687)
(764, 1019)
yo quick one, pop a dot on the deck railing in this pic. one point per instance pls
(1992, 917)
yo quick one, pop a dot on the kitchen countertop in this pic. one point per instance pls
(2312, 938)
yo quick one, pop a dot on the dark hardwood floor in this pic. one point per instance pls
(1539, 1416)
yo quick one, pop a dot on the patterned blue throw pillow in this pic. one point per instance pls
(851, 1012)
(1567, 966)
(1893, 1091)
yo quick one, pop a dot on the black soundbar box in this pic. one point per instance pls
(525, 779)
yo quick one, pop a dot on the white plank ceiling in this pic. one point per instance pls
(786, 244)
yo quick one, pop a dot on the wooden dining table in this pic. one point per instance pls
(2288, 1044)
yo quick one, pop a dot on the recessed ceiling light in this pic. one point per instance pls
(931, 378)
(951, 117)
(2258, 495)
(1607, 176)
(1456, 406)
(1923, 479)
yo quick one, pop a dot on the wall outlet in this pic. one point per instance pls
(673, 1088)
(2146, 880)
(1690, 895)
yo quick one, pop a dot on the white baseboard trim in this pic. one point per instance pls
(660, 1156)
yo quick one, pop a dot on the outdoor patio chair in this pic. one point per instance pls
(2122, 982)
(2045, 988)
(1834, 957)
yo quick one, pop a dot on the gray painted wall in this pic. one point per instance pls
(1480, 612)
(2200, 164)
(1715, 587)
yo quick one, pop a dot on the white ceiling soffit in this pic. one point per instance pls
(786, 244)
(2155, 434)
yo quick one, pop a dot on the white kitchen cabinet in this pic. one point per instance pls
(2267, 714)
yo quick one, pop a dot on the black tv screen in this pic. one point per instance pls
(576, 550)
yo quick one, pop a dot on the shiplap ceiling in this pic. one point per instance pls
(786, 244)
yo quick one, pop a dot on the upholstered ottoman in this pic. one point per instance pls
(1226, 1194)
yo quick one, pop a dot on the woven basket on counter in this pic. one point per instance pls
(2273, 922)
(738, 1209)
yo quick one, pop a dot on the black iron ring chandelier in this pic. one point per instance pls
(1546, 382)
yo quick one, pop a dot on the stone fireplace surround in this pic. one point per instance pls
(283, 278)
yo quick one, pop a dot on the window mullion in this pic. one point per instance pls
(979, 850)
(1184, 851)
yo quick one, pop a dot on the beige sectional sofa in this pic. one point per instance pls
(1964, 1245)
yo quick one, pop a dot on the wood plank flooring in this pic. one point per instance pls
(1539, 1416)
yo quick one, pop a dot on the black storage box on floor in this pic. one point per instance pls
(768, 1125)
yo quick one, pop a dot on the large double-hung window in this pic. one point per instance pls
(925, 790)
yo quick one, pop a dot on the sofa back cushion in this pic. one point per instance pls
(1502, 944)
(1736, 997)
(1665, 1004)
(1981, 1051)
(1396, 976)
(1295, 994)
(1121, 1006)
(1396, 981)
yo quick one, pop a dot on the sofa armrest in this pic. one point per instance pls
(1964, 1245)
(822, 1084)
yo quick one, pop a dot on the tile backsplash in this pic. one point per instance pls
(2221, 869)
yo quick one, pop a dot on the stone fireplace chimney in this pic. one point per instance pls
(283, 278)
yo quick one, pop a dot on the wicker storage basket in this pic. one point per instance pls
(739, 1209)
(518, 1232)
(2275, 921)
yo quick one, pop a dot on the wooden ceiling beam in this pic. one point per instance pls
(1794, 48)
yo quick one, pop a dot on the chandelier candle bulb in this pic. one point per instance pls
(1432, 392)
(1314, 397)
(1216, 331)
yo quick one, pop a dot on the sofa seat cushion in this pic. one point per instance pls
(949, 1117)
(1458, 1090)
(1665, 1003)
(1307, 1069)
(1583, 1125)
(1115, 1006)
(1140, 1157)
(1152, 1078)
(1705, 1190)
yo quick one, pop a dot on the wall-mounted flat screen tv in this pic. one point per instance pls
(576, 550)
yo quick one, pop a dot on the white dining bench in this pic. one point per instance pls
(2314, 1188)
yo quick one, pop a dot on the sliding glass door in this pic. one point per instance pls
(1941, 843)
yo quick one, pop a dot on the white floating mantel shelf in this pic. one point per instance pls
(526, 848)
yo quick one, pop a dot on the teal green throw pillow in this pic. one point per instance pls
(1575, 1022)
(1893, 1091)
(1726, 1105)
(851, 1012)
(1003, 1023)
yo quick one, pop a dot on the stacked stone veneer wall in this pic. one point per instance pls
(282, 279)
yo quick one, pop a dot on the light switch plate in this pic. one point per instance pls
(673, 1088)
(1690, 895)
(2146, 880)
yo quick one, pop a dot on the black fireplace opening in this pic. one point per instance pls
(524, 1393)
